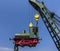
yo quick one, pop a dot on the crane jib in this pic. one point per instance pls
(50, 24)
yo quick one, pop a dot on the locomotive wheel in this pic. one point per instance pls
(30, 45)
(15, 48)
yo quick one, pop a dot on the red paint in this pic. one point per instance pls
(26, 41)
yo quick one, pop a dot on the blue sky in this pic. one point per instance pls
(15, 16)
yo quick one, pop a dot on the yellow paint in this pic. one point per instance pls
(36, 17)
(30, 25)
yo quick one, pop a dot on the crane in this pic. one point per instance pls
(50, 19)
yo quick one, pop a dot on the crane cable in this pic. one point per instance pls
(56, 22)
(57, 18)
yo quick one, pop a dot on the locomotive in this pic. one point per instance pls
(28, 39)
